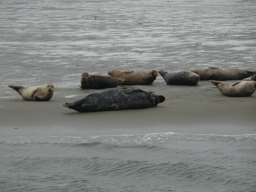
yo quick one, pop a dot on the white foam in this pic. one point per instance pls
(71, 96)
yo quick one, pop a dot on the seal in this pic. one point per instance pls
(254, 77)
(135, 77)
(99, 81)
(223, 74)
(237, 89)
(116, 99)
(41, 93)
(180, 78)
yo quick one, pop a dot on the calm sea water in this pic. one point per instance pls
(54, 41)
(164, 161)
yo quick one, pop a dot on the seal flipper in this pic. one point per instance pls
(34, 92)
(236, 83)
(131, 90)
(16, 88)
(250, 73)
(128, 72)
(216, 83)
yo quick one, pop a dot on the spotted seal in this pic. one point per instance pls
(116, 99)
(180, 78)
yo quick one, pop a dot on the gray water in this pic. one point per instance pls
(164, 161)
(54, 41)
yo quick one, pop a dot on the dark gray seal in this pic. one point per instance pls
(116, 99)
(223, 74)
(99, 81)
(180, 78)
(254, 77)
(237, 89)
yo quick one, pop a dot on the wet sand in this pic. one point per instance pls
(198, 109)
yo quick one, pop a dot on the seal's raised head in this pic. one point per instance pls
(162, 73)
(114, 73)
(50, 88)
(154, 73)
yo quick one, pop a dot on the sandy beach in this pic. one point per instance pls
(200, 109)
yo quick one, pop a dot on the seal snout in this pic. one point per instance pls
(161, 98)
(50, 87)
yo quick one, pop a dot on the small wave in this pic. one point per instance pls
(138, 140)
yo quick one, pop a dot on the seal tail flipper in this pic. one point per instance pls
(68, 104)
(254, 77)
(250, 73)
(16, 88)
(216, 83)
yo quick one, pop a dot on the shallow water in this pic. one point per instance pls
(163, 161)
(56, 41)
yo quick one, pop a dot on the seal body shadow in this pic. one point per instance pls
(135, 77)
(41, 93)
(223, 74)
(237, 89)
(99, 81)
(180, 78)
(116, 99)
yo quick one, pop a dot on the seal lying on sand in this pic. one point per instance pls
(135, 77)
(180, 78)
(223, 74)
(42, 93)
(254, 77)
(99, 82)
(237, 89)
(116, 99)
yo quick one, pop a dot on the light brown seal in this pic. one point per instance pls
(41, 93)
(135, 77)
(237, 89)
(180, 78)
(99, 81)
(223, 74)
(254, 77)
